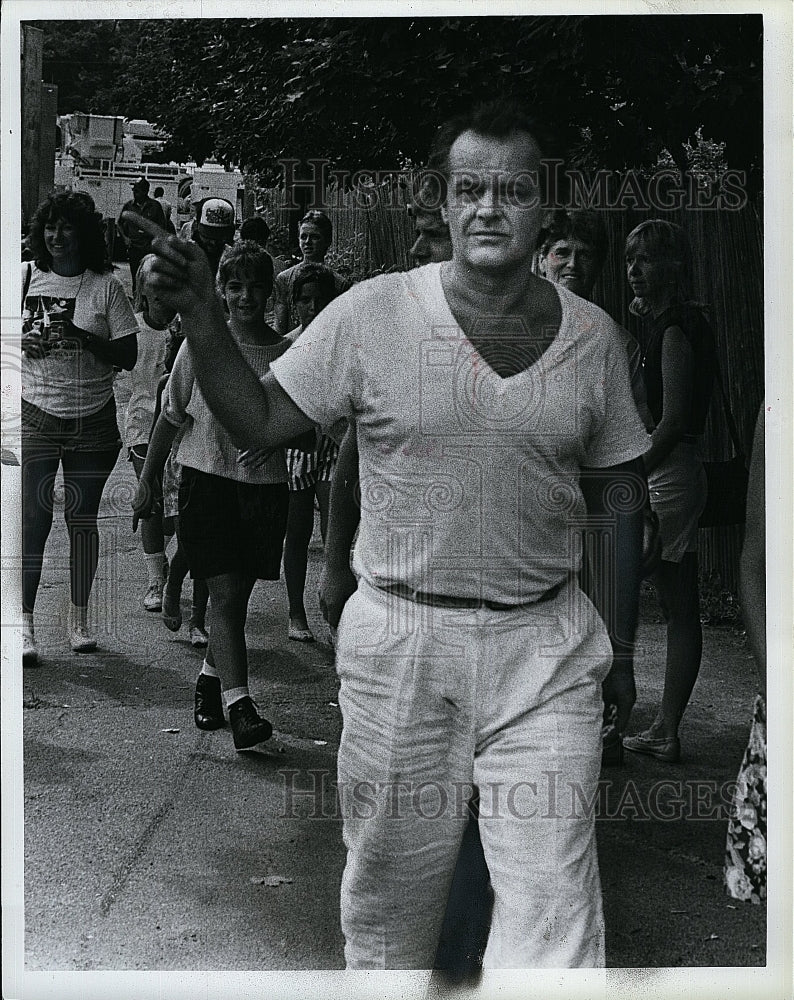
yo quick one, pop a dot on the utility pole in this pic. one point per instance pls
(38, 120)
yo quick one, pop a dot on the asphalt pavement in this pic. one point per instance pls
(149, 845)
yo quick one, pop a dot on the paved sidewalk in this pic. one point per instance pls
(152, 846)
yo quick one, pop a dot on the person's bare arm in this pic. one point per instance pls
(337, 581)
(157, 452)
(678, 364)
(122, 352)
(753, 561)
(615, 498)
(257, 414)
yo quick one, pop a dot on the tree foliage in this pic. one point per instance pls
(87, 60)
(367, 93)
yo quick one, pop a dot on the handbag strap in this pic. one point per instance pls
(28, 274)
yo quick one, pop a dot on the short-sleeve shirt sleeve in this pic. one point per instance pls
(180, 388)
(321, 372)
(617, 432)
(120, 317)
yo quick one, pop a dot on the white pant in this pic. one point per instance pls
(436, 701)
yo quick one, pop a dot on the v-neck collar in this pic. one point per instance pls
(446, 318)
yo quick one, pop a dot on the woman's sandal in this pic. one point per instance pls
(299, 633)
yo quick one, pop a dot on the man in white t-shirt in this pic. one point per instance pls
(488, 403)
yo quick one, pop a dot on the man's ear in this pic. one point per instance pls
(445, 215)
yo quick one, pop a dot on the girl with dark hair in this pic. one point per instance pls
(314, 238)
(77, 326)
(678, 367)
(311, 460)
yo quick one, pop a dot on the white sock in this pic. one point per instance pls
(235, 694)
(208, 670)
(155, 566)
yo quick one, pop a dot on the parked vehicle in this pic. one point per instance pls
(100, 155)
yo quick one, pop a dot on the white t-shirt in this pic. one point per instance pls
(72, 382)
(469, 482)
(338, 430)
(144, 378)
(205, 444)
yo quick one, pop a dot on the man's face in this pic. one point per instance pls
(572, 263)
(212, 239)
(139, 193)
(493, 205)
(432, 243)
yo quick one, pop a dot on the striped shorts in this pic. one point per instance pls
(307, 468)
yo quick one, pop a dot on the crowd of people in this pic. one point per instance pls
(431, 415)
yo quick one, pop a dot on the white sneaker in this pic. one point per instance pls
(153, 599)
(198, 636)
(30, 651)
(80, 639)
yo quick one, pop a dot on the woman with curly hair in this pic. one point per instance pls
(77, 326)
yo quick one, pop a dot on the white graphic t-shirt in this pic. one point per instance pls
(70, 381)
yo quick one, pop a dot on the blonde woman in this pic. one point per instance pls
(678, 359)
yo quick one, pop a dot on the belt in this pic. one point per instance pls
(470, 603)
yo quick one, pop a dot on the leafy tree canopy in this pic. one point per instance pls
(87, 59)
(367, 93)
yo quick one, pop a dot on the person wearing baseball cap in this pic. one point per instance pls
(137, 241)
(214, 228)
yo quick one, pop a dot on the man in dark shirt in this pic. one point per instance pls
(138, 242)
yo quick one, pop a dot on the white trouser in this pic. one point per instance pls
(436, 701)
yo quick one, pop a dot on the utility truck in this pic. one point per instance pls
(103, 156)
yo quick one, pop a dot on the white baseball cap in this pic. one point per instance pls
(216, 213)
